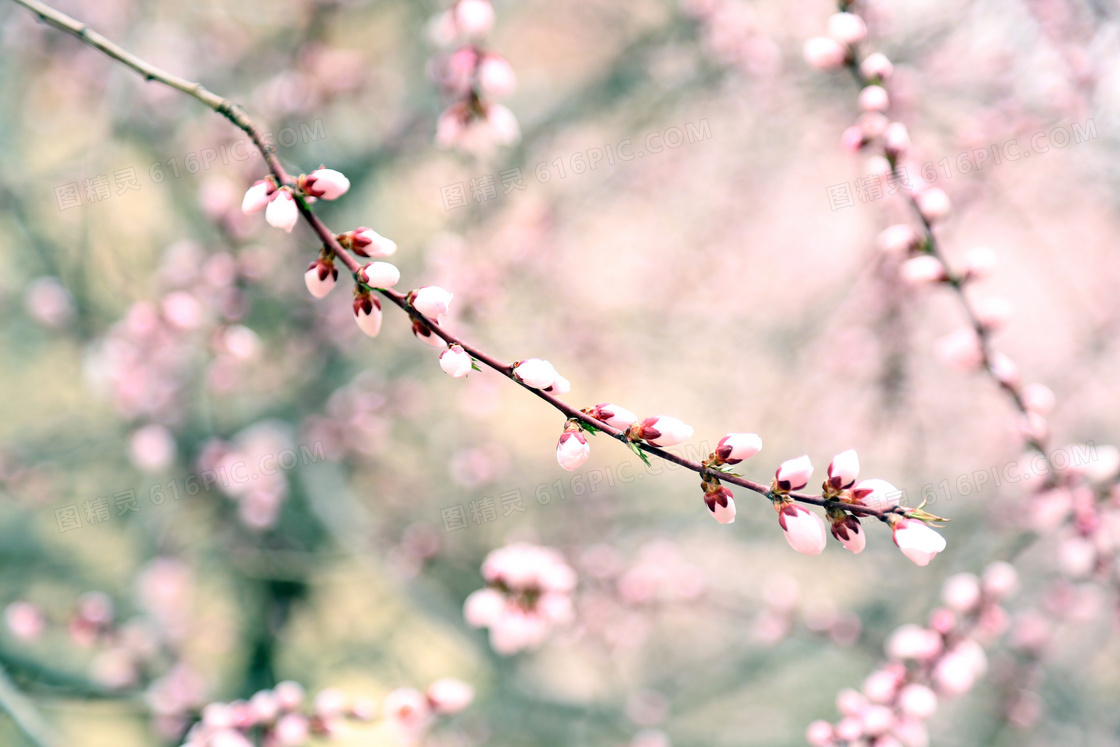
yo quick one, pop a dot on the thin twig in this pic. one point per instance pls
(237, 115)
(23, 713)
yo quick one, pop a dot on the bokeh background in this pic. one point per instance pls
(150, 332)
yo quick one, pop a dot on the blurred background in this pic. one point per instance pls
(153, 338)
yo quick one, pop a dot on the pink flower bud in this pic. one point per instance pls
(282, 211)
(878, 165)
(330, 703)
(483, 607)
(425, 335)
(735, 447)
(379, 275)
(794, 474)
(613, 415)
(1038, 398)
(961, 592)
(957, 671)
(933, 204)
(502, 125)
(320, 277)
(152, 448)
(876, 66)
(367, 313)
(327, 184)
(456, 362)
(843, 469)
(289, 695)
(917, 541)
(496, 78)
(449, 696)
(1005, 370)
(473, 17)
(992, 312)
(1001, 580)
(847, 28)
(850, 534)
(264, 706)
(535, 373)
(898, 239)
(559, 385)
(825, 54)
(25, 621)
(874, 98)
(257, 196)
(819, 734)
(980, 262)
(292, 730)
(804, 530)
(432, 301)
(365, 242)
(408, 711)
(873, 124)
(960, 350)
(877, 720)
(922, 271)
(918, 701)
(896, 140)
(913, 642)
(721, 503)
(663, 431)
(876, 493)
(572, 450)
(852, 139)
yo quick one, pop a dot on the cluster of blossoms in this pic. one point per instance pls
(925, 664)
(529, 591)
(472, 78)
(247, 471)
(145, 362)
(572, 449)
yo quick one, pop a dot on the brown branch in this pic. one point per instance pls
(237, 115)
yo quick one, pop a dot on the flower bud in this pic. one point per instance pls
(721, 502)
(847, 28)
(1038, 398)
(365, 242)
(559, 385)
(320, 277)
(613, 415)
(735, 447)
(960, 350)
(572, 450)
(824, 54)
(379, 275)
(456, 362)
(449, 696)
(282, 211)
(922, 270)
(913, 642)
(425, 334)
(961, 592)
(473, 17)
(917, 541)
(535, 373)
(899, 239)
(874, 98)
(292, 730)
(933, 204)
(843, 469)
(496, 78)
(327, 184)
(873, 124)
(875, 493)
(992, 312)
(804, 530)
(662, 431)
(257, 196)
(979, 262)
(853, 138)
(848, 530)
(1005, 370)
(876, 66)
(367, 313)
(819, 734)
(917, 700)
(896, 139)
(794, 474)
(432, 301)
